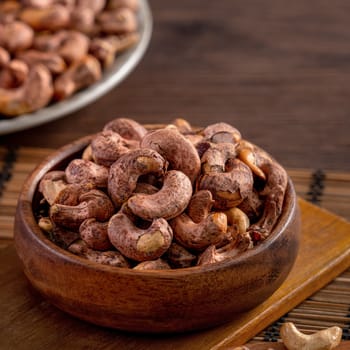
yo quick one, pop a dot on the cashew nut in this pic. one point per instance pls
(119, 21)
(222, 132)
(107, 146)
(237, 217)
(13, 74)
(230, 188)
(170, 201)
(85, 171)
(51, 184)
(198, 236)
(127, 128)
(50, 18)
(94, 234)
(325, 339)
(16, 36)
(158, 264)
(124, 173)
(176, 149)
(92, 204)
(52, 61)
(216, 156)
(200, 205)
(78, 76)
(33, 94)
(110, 257)
(241, 243)
(179, 257)
(117, 4)
(136, 243)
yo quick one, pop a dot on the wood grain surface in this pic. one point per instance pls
(28, 320)
(276, 69)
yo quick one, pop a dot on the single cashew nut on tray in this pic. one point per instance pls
(325, 339)
(139, 244)
(170, 201)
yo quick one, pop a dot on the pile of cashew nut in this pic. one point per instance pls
(170, 197)
(293, 339)
(50, 49)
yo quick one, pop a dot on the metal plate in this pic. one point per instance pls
(123, 65)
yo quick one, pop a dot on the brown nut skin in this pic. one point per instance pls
(13, 74)
(179, 257)
(33, 94)
(211, 230)
(79, 75)
(108, 146)
(92, 204)
(95, 5)
(127, 128)
(95, 235)
(230, 188)
(52, 18)
(124, 173)
(138, 244)
(53, 62)
(176, 149)
(200, 205)
(16, 36)
(170, 201)
(82, 171)
(71, 193)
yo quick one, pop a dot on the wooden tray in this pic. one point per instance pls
(29, 321)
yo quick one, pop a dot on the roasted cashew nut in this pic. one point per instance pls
(33, 94)
(51, 184)
(170, 201)
(325, 339)
(16, 36)
(212, 254)
(92, 204)
(139, 244)
(127, 128)
(124, 173)
(200, 205)
(176, 149)
(158, 264)
(216, 156)
(230, 188)
(198, 236)
(238, 218)
(179, 257)
(118, 21)
(275, 185)
(82, 171)
(108, 146)
(94, 234)
(222, 133)
(13, 74)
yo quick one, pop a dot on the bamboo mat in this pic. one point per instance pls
(330, 190)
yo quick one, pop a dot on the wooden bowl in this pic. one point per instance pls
(150, 301)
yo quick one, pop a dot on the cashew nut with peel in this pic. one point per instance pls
(79, 75)
(13, 73)
(222, 132)
(124, 173)
(107, 146)
(85, 171)
(200, 205)
(325, 339)
(127, 128)
(92, 204)
(16, 36)
(35, 93)
(198, 236)
(229, 188)
(94, 234)
(276, 180)
(119, 21)
(139, 244)
(51, 184)
(170, 201)
(176, 149)
(238, 218)
(158, 264)
(179, 257)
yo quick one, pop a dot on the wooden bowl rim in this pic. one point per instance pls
(30, 187)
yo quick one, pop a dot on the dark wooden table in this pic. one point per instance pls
(277, 70)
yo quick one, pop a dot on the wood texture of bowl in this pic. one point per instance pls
(150, 301)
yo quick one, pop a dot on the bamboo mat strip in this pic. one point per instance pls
(331, 190)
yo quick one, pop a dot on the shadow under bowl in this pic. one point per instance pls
(150, 301)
